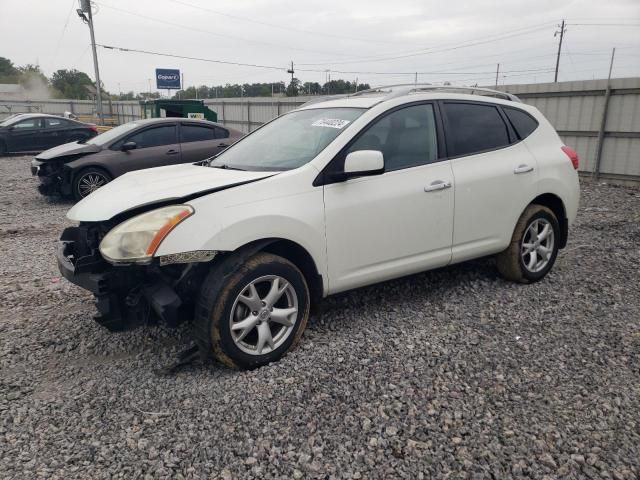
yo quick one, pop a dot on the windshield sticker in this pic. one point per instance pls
(331, 123)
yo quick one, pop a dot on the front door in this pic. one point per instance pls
(26, 136)
(396, 223)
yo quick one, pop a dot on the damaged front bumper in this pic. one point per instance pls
(53, 176)
(125, 296)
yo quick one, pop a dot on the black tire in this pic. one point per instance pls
(212, 323)
(3, 148)
(511, 263)
(85, 173)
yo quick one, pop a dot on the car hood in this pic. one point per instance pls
(73, 148)
(163, 184)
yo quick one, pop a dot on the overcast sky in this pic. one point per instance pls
(459, 41)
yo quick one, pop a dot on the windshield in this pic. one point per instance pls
(288, 142)
(112, 134)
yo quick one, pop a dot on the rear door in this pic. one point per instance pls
(54, 132)
(26, 135)
(495, 177)
(156, 146)
(198, 141)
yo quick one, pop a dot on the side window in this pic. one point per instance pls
(406, 137)
(222, 133)
(31, 123)
(154, 137)
(523, 123)
(197, 133)
(473, 128)
(54, 123)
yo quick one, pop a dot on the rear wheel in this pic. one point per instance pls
(257, 315)
(88, 181)
(533, 248)
(3, 148)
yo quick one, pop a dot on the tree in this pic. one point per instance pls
(293, 89)
(312, 88)
(8, 72)
(70, 84)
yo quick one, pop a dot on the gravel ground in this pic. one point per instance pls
(449, 374)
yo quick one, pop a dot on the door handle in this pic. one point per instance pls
(172, 152)
(523, 169)
(437, 185)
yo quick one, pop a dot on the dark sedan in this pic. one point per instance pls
(34, 132)
(79, 168)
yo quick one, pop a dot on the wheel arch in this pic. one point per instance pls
(556, 205)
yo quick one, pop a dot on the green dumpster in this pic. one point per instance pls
(177, 108)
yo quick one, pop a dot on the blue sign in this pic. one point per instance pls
(167, 78)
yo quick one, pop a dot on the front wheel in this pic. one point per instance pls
(533, 248)
(88, 181)
(257, 315)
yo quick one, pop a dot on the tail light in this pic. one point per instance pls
(573, 156)
(93, 127)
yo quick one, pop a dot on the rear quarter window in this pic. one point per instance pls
(523, 123)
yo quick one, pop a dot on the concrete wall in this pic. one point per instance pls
(575, 109)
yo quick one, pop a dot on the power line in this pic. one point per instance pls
(604, 24)
(209, 32)
(430, 50)
(64, 29)
(184, 57)
(281, 27)
(280, 68)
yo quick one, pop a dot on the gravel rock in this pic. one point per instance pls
(454, 373)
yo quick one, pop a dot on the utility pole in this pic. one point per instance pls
(84, 12)
(497, 73)
(603, 123)
(291, 71)
(561, 33)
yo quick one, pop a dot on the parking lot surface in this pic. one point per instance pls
(453, 373)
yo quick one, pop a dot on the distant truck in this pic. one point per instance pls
(195, 109)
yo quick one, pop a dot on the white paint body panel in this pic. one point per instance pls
(367, 229)
(143, 187)
(489, 199)
(387, 226)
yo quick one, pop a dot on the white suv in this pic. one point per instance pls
(329, 197)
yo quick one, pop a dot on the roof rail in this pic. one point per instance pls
(399, 90)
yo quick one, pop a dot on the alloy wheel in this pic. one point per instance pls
(263, 315)
(90, 182)
(537, 245)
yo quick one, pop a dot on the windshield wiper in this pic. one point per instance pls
(225, 166)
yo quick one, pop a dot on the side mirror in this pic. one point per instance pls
(364, 163)
(128, 146)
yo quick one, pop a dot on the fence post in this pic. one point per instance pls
(607, 95)
(248, 116)
(224, 118)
